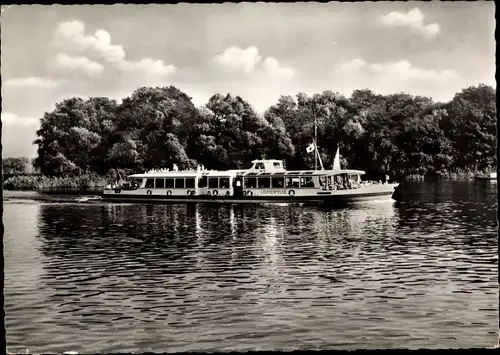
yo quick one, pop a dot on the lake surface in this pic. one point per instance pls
(99, 277)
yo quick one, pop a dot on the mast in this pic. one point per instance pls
(315, 142)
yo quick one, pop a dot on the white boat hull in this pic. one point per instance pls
(315, 195)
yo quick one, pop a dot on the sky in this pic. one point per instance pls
(259, 51)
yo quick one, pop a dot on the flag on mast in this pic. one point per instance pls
(336, 161)
(310, 148)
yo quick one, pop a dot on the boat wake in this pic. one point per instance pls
(89, 198)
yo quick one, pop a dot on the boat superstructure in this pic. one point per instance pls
(266, 180)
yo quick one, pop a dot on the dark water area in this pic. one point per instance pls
(92, 277)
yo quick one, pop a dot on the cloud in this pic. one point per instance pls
(273, 69)
(11, 119)
(147, 65)
(401, 69)
(236, 58)
(413, 19)
(74, 33)
(33, 81)
(18, 134)
(248, 60)
(393, 77)
(84, 64)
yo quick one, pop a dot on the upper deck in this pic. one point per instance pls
(261, 167)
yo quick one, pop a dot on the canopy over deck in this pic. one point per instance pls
(165, 174)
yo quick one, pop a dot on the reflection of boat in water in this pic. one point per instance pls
(490, 177)
(265, 181)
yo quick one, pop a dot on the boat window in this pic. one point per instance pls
(264, 182)
(306, 182)
(179, 183)
(277, 165)
(169, 183)
(213, 183)
(224, 183)
(189, 183)
(159, 183)
(292, 182)
(250, 182)
(202, 182)
(150, 183)
(277, 182)
(259, 165)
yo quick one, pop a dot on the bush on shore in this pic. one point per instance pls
(35, 183)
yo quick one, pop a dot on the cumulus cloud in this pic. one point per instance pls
(248, 60)
(84, 64)
(148, 65)
(392, 77)
(33, 81)
(18, 134)
(236, 58)
(73, 32)
(273, 69)
(11, 119)
(401, 69)
(413, 19)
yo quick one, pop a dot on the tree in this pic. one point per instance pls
(154, 116)
(76, 135)
(396, 134)
(471, 125)
(19, 165)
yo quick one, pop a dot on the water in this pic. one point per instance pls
(93, 277)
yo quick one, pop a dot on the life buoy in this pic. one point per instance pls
(188, 192)
(169, 193)
(193, 193)
(215, 193)
(149, 192)
(249, 193)
(291, 192)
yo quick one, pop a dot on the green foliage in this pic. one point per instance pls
(82, 182)
(21, 165)
(400, 134)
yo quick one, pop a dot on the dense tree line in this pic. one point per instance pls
(20, 165)
(396, 134)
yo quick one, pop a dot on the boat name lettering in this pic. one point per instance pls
(273, 192)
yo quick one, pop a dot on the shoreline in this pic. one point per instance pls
(98, 190)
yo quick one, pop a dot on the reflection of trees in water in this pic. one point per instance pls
(89, 236)
(182, 238)
(462, 213)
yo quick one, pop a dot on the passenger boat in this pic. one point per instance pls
(266, 181)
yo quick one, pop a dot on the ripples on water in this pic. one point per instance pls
(96, 277)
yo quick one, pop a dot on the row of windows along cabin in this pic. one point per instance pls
(249, 182)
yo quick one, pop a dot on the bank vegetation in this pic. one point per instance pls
(400, 135)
